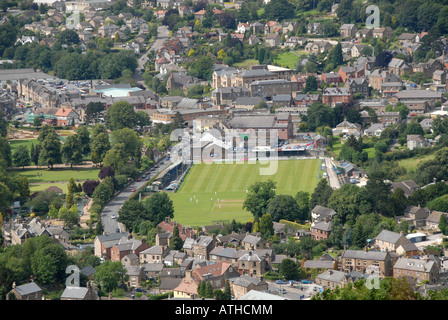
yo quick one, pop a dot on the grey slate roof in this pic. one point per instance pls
(388, 236)
(324, 226)
(246, 281)
(74, 292)
(414, 264)
(360, 254)
(332, 275)
(28, 288)
(318, 264)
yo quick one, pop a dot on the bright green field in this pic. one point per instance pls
(287, 60)
(230, 182)
(57, 174)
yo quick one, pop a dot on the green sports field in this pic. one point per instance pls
(212, 192)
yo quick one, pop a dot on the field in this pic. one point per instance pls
(212, 192)
(27, 142)
(412, 163)
(57, 175)
(287, 60)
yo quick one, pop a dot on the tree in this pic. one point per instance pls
(72, 151)
(106, 172)
(89, 186)
(109, 275)
(310, 84)
(5, 151)
(279, 10)
(99, 146)
(120, 115)
(129, 145)
(283, 207)
(209, 17)
(83, 136)
(178, 121)
(69, 37)
(159, 207)
(266, 226)
(104, 191)
(443, 224)
(378, 191)
(132, 213)
(92, 110)
(321, 194)
(303, 201)
(202, 67)
(258, 197)
(176, 241)
(21, 156)
(37, 122)
(289, 269)
(69, 200)
(349, 202)
(50, 153)
(48, 262)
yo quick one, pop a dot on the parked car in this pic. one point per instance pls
(306, 282)
(280, 282)
(132, 190)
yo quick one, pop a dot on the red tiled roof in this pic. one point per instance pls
(63, 112)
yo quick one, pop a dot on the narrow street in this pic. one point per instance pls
(162, 35)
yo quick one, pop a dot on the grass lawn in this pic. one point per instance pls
(370, 152)
(287, 60)
(27, 142)
(45, 186)
(412, 163)
(57, 175)
(337, 145)
(230, 182)
(246, 64)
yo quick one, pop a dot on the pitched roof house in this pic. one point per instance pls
(417, 269)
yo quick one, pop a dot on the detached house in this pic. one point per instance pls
(29, 291)
(66, 117)
(416, 141)
(348, 30)
(321, 230)
(390, 241)
(414, 215)
(408, 186)
(320, 213)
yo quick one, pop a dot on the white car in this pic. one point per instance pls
(113, 216)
